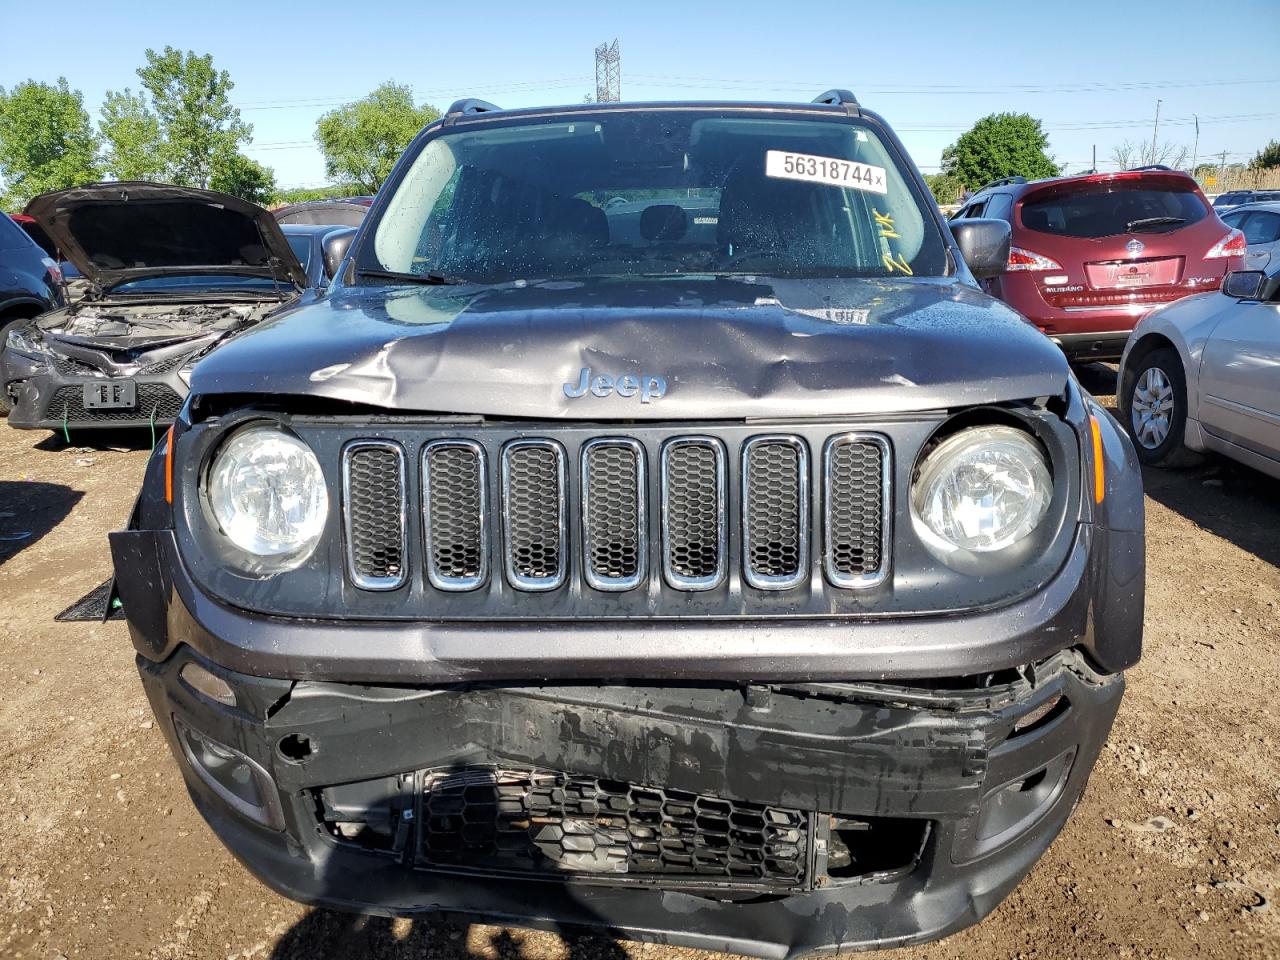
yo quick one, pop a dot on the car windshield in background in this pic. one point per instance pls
(1106, 210)
(300, 244)
(660, 193)
(195, 283)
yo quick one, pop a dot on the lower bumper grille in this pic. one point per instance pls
(155, 402)
(523, 821)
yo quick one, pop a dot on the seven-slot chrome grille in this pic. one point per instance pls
(541, 515)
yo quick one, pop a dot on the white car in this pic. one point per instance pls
(1203, 374)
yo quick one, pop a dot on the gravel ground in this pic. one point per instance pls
(1174, 851)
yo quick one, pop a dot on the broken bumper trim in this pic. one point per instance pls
(938, 752)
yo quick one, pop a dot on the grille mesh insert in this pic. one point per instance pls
(613, 514)
(774, 513)
(154, 400)
(694, 505)
(488, 819)
(533, 512)
(854, 504)
(455, 514)
(375, 515)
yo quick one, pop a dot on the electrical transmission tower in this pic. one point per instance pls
(608, 73)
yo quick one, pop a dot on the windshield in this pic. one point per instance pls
(300, 244)
(1110, 209)
(191, 283)
(633, 193)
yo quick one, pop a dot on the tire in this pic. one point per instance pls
(1153, 401)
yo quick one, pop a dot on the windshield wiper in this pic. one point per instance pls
(1134, 225)
(432, 279)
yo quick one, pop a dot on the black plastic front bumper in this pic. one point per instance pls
(47, 399)
(993, 798)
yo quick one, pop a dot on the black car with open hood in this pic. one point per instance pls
(654, 528)
(171, 272)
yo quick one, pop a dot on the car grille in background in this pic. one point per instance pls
(694, 547)
(613, 513)
(155, 402)
(533, 510)
(775, 508)
(699, 521)
(71, 367)
(855, 520)
(523, 821)
(374, 502)
(453, 473)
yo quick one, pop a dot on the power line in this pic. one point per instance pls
(661, 80)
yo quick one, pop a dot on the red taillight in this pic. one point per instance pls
(55, 271)
(1020, 259)
(1232, 245)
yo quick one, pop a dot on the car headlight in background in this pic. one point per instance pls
(22, 342)
(268, 498)
(981, 491)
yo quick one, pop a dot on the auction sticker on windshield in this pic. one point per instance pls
(829, 170)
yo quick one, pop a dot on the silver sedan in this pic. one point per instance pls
(1260, 224)
(1203, 374)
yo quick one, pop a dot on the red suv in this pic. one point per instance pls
(1092, 254)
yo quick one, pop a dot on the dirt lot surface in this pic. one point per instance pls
(1174, 851)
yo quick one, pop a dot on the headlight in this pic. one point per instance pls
(982, 490)
(21, 342)
(268, 497)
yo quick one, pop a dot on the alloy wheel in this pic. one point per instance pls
(1151, 408)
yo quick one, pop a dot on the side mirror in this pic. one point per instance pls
(984, 244)
(1246, 285)
(336, 245)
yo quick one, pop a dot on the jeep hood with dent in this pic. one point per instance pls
(722, 349)
(116, 232)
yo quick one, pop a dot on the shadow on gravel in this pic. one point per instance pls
(1227, 499)
(1098, 378)
(86, 440)
(329, 935)
(28, 510)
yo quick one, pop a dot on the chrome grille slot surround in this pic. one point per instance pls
(695, 548)
(615, 539)
(534, 516)
(373, 514)
(857, 515)
(455, 514)
(775, 511)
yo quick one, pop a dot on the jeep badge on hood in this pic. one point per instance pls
(649, 387)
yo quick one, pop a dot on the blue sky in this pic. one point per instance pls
(1091, 71)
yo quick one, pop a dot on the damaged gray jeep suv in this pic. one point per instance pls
(653, 529)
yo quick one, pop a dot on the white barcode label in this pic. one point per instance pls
(829, 170)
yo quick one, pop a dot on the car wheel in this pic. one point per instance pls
(1154, 402)
(6, 405)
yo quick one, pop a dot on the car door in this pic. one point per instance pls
(1240, 377)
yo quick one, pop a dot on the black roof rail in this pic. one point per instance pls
(1003, 181)
(470, 105)
(839, 98)
(1153, 166)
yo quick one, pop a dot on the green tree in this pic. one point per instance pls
(361, 141)
(999, 145)
(1267, 158)
(944, 187)
(46, 142)
(192, 106)
(132, 142)
(242, 177)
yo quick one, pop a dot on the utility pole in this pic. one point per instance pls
(1095, 158)
(1222, 171)
(1195, 150)
(608, 73)
(1155, 130)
